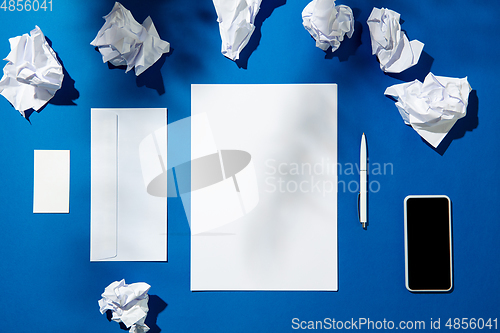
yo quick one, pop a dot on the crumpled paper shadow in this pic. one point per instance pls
(419, 71)
(466, 124)
(67, 94)
(348, 46)
(266, 9)
(151, 77)
(156, 305)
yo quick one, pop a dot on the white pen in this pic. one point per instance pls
(363, 192)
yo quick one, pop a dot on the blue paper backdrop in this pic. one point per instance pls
(47, 281)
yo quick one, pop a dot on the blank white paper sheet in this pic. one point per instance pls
(51, 181)
(264, 187)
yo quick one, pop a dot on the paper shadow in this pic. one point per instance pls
(156, 305)
(466, 124)
(218, 234)
(348, 46)
(64, 96)
(67, 94)
(111, 66)
(419, 71)
(28, 113)
(266, 9)
(151, 77)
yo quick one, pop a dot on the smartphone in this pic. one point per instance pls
(428, 243)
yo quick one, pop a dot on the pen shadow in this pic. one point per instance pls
(463, 125)
(348, 46)
(266, 9)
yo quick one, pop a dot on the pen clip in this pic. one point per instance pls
(359, 216)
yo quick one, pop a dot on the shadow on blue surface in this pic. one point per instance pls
(66, 95)
(156, 305)
(266, 9)
(466, 124)
(151, 77)
(419, 71)
(348, 46)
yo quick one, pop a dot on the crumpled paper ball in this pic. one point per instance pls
(432, 107)
(236, 24)
(123, 41)
(328, 23)
(128, 303)
(32, 75)
(393, 49)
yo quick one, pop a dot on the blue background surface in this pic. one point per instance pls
(48, 283)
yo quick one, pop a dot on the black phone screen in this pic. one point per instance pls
(428, 243)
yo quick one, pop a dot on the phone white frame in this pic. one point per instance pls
(450, 242)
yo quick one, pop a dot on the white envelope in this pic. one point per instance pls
(128, 185)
